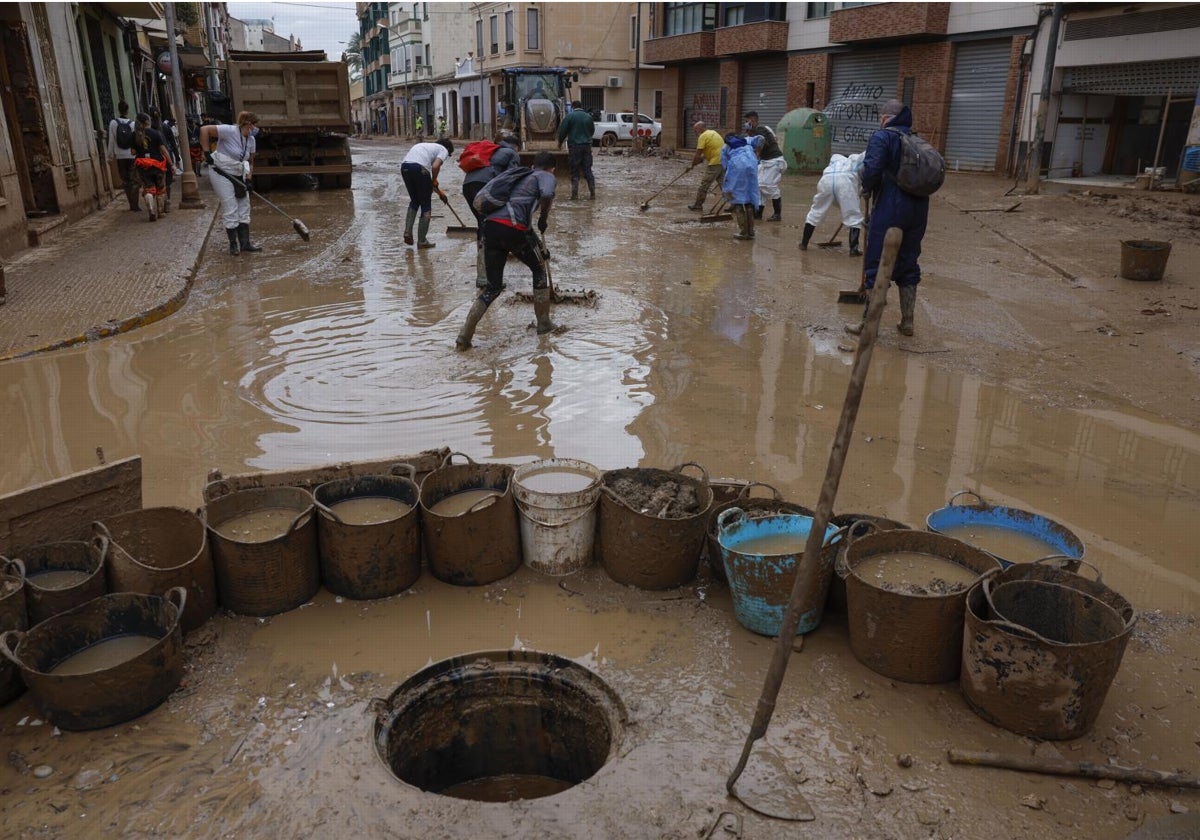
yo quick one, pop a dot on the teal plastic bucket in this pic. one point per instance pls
(761, 584)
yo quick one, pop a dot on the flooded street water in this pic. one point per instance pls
(700, 349)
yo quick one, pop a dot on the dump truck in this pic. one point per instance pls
(303, 105)
(535, 103)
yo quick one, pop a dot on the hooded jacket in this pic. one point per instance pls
(741, 169)
(893, 206)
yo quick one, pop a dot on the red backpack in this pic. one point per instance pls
(476, 155)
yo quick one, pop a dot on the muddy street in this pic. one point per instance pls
(1037, 379)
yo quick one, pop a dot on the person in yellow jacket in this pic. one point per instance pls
(709, 144)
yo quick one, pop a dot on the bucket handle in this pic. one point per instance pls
(328, 511)
(216, 489)
(8, 647)
(99, 544)
(449, 459)
(180, 593)
(841, 533)
(485, 502)
(703, 472)
(728, 515)
(400, 469)
(745, 492)
(15, 564)
(100, 531)
(296, 522)
(1056, 558)
(986, 581)
(524, 507)
(858, 529)
(977, 497)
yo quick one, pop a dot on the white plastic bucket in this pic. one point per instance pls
(557, 500)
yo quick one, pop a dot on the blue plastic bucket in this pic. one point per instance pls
(761, 584)
(950, 519)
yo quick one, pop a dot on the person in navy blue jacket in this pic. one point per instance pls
(892, 207)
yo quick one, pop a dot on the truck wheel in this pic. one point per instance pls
(343, 181)
(609, 139)
(328, 182)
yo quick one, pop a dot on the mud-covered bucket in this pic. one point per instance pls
(264, 544)
(13, 616)
(556, 499)
(910, 631)
(755, 507)
(369, 534)
(104, 662)
(63, 575)
(761, 557)
(856, 525)
(469, 522)
(1144, 259)
(154, 549)
(652, 525)
(1011, 535)
(1041, 647)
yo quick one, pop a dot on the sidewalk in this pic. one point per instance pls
(105, 274)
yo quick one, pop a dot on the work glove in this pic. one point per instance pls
(239, 189)
(208, 158)
(249, 182)
(542, 224)
(442, 196)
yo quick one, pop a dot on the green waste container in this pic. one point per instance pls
(807, 141)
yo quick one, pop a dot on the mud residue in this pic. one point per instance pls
(668, 500)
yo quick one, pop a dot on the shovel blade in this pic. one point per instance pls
(766, 786)
(857, 296)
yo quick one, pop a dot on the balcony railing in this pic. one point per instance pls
(407, 27)
(888, 21)
(670, 48)
(423, 73)
(758, 37)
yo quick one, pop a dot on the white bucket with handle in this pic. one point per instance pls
(557, 499)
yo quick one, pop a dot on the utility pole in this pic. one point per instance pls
(190, 199)
(637, 77)
(1039, 133)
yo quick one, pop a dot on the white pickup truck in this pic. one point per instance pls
(612, 128)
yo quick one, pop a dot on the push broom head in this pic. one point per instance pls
(300, 228)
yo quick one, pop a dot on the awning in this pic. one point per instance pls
(147, 11)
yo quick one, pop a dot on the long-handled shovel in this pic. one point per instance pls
(833, 242)
(714, 214)
(645, 205)
(460, 228)
(859, 295)
(808, 575)
(297, 225)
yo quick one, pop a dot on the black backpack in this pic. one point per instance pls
(496, 192)
(125, 133)
(922, 170)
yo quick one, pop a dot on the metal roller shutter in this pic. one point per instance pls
(701, 99)
(860, 84)
(764, 89)
(1142, 78)
(977, 104)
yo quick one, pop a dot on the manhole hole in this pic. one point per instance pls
(499, 726)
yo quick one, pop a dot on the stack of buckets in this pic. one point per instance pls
(557, 500)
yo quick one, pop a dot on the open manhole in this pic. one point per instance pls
(499, 726)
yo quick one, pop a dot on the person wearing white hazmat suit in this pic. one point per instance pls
(840, 182)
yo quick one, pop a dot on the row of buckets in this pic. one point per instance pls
(1016, 633)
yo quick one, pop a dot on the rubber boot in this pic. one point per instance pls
(408, 225)
(480, 269)
(541, 309)
(463, 342)
(777, 206)
(591, 190)
(908, 303)
(739, 216)
(423, 231)
(758, 211)
(235, 247)
(808, 232)
(574, 190)
(854, 249)
(151, 207)
(856, 329)
(164, 204)
(750, 217)
(244, 238)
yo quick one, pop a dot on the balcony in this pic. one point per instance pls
(888, 22)
(759, 37)
(422, 73)
(407, 28)
(676, 48)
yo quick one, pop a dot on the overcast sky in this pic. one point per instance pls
(324, 25)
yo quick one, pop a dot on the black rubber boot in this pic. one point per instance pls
(777, 206)
(808, 232)
(463, 342)
(408, 225)
(574, 190)
(541, 309)
(908, 305)
(854, 249)
(244, 238)
(591, 190)
(235, 247)
(758, 211)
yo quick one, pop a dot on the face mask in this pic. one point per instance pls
(254, 131)
(747, 126)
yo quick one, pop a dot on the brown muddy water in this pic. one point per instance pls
(701, 349)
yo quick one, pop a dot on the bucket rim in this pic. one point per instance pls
(548, 465)
(100, 530)
(1025, 634)
(831, 531)
(96, 546)
(851, 564)
(1066, 542)
(297, 523)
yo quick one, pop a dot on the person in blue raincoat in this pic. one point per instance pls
(893, 207)
(741, 181)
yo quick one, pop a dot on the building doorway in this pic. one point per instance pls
(22, 105)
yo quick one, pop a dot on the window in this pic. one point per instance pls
(428, 57)
(479, 37)
(683, 18)
(424, 11)
(494, 32)
(658, 104)
(633, 32)
(533, 37)
(813, 11)
(735, 14)
(508, 30)
(416, 61)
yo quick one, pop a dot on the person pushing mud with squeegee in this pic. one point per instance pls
(229, 151)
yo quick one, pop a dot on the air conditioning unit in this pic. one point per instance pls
(614, 81)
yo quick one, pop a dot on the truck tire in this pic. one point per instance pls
(343, 181)
(608, 139)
